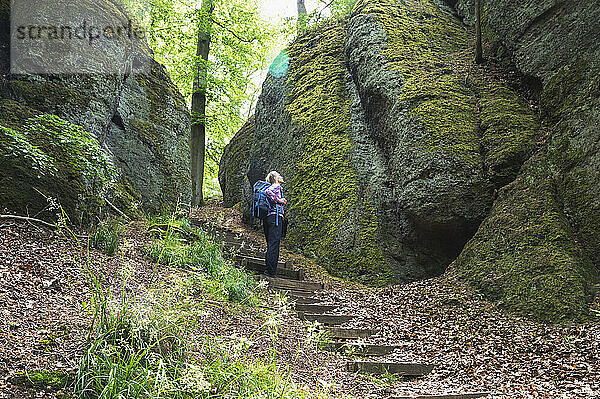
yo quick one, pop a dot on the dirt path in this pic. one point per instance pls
(473, 345)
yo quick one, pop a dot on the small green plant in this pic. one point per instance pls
(134, 350)
(181, 245)
(43, 379)
(107, 235)
(318, 336)
(385, 380)
(140, 348)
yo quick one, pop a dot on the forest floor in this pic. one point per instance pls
(44, 284)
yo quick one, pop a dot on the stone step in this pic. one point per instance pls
(284, 283)
(468, 395)
(315, 308)
(327, 319)
(261, 261)
(349, 333)
(405, 369)
(361, 349)
(284, 269)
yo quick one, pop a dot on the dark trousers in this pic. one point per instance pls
(273, 236)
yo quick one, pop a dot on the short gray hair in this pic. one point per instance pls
(273, 177)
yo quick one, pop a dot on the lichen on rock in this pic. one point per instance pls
(234, 164)
(390, 146)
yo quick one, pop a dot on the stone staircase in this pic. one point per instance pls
(304, 295)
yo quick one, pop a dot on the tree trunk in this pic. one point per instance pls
(478, 47)
(198, 131)
(301, 15)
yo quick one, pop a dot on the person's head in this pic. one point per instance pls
(274, 177)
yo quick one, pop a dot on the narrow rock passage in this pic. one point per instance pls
(310, 300)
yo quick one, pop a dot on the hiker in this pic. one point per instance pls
(274, 224)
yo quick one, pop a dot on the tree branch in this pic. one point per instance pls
(28, 219)
(241, 39)
(117, 209)
(323, 9)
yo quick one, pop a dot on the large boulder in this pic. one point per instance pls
(391, 146)
(539, 250)
(137, 116)
(234, 165)
(397, 150)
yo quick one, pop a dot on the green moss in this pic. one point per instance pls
(46, 97)
(13, 114)
(43, 379)
(50, 157)
(433, 51)
(509, 131)
(525, 254)
(319, 103)
(127, 198)
(144, 129)
(160, 92)
(577, 185)
(5, 10)
(563, 92)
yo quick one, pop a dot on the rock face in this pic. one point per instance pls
(139, 120)
(232, 177)
(395, 148)
(391, 149)
(538, 251)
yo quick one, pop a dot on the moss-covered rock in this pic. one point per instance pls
(399, 150)
(526, 255)
(149, 138)
(47, 161)
(543, 257)
(140, 119)
(391, 148)
(234, 165)
(323, 183)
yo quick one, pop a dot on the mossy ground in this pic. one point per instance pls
(44, 379)
(324, 185)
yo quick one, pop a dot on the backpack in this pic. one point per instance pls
(261, 204)
(260, 201)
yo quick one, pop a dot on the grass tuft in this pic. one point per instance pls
(107, 235)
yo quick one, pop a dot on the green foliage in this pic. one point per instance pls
(239, 47)
(148, 347)
(134, 352)
(319, 103)
(45, 156)
(52, 145)
(107, 235)
(43, 379)
(189, 248)
(318, 336)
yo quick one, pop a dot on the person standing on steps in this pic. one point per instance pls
(274, 223)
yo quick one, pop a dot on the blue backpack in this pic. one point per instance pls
(261, 204)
